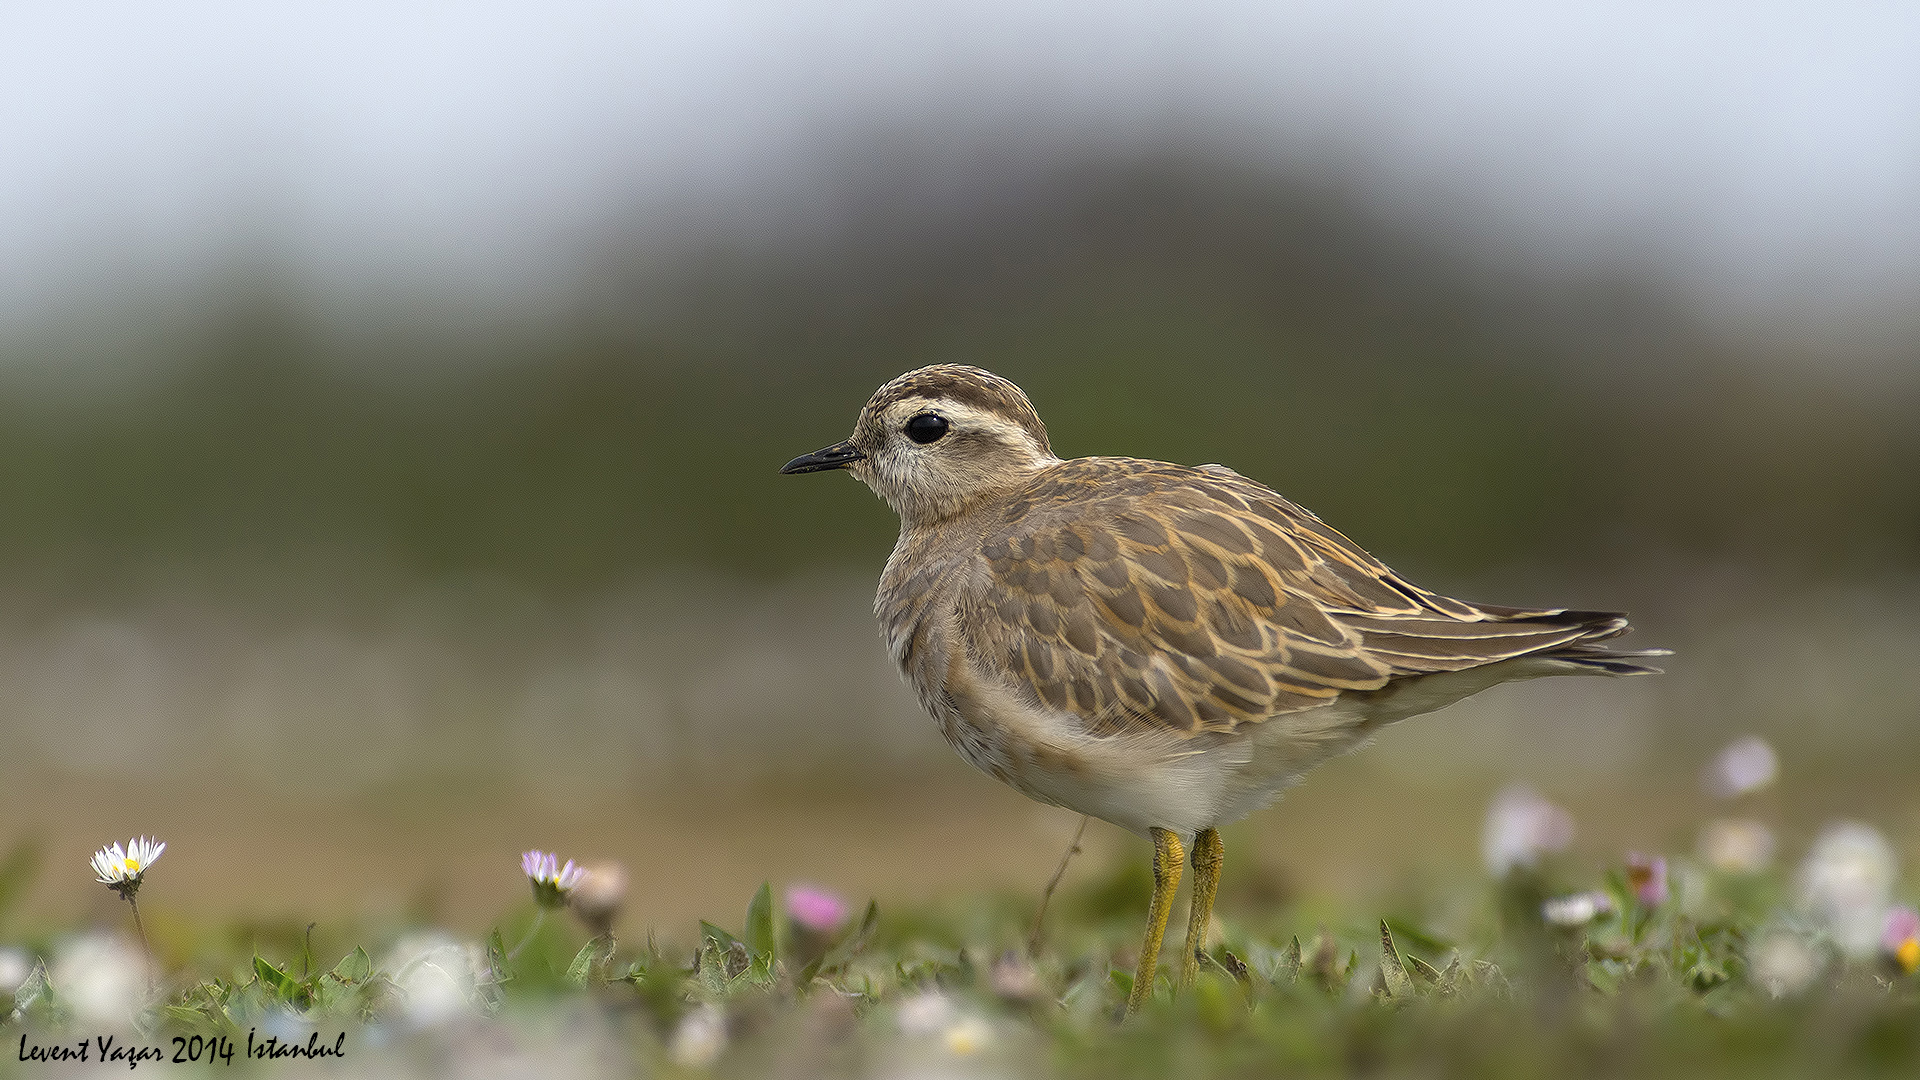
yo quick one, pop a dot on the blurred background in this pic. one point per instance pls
(391, 398)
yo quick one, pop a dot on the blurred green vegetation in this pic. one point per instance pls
(1446, 408)
(1469, 982)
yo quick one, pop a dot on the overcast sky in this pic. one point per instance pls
(1770, 152)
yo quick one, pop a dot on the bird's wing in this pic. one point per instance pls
(1146, 596)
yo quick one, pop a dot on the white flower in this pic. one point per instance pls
(281, 1022)
(1846, 884)
(1747, 764)
(15, 966)
(1736, 845)
(122, 868)
(600, 890)
(700, 1038)
(1522, 826)
(436, 976)
(1783, 964)
(933, 1014)
(1576, 910)
(551, 881)
(927, 1013)
(103, 977)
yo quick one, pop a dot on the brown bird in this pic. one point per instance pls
(1161, 646)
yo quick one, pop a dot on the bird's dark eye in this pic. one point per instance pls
(926, 428)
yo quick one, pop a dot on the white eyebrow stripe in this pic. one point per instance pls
(966, 417)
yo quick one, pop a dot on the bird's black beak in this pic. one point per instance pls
(838, 456)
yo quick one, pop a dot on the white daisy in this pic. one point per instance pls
(437, 976)
(1521, 827)
(700, 1038)
(1846, 884)
(122, 868)
(551, 881)
(1576, 910)
(104, 978)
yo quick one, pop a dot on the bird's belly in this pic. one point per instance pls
(1138, 781)
(1143, 781)
(1133, 785)
(1268, 757)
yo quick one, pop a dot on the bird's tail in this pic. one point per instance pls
(1479, 635)
(1586, 650)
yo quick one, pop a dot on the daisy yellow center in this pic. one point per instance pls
(1909, 955)
(133, 866)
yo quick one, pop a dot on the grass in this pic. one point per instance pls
(1467, 980)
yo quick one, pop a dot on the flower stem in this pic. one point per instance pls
(539, 920)
(1033, 936)
(146, 946)
(138, 925)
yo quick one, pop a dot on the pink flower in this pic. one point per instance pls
(816, 909)
(1901, 937)
(1902, 923)
(1647, 874)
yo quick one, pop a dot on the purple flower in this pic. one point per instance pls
(1647, 874)
(815, 909)
(551, 881)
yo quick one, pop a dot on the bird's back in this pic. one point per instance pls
(1142, 596)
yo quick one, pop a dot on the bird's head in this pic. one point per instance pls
(936, 440)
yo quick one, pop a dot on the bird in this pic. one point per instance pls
(1164, 647)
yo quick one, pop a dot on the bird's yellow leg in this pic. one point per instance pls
(1207, 858)
(1168, 859)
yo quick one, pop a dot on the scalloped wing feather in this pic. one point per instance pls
(1149, 597)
